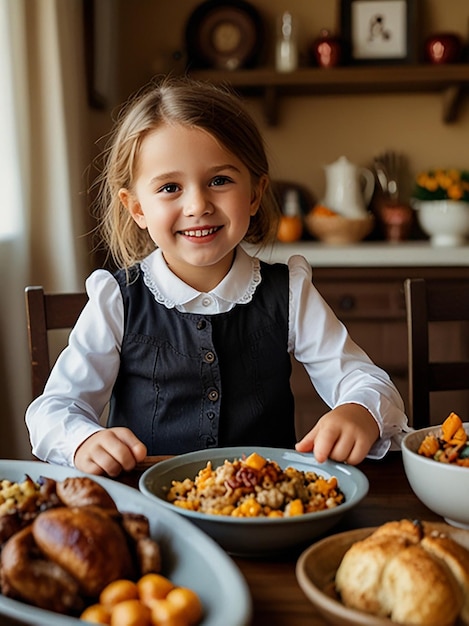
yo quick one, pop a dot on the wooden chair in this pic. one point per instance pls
(428, 302)
(46, 312)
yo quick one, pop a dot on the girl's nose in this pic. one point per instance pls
(197, 203)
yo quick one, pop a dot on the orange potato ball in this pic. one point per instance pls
(118, 591)
(96, 614)
(163, 613)
(130, 613)
(188, 602)
(153, 587)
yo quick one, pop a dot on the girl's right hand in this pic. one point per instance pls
(344, 434)
(110, 451)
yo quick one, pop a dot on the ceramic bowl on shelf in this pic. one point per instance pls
(446, 222)
(440, 486)
(337, 229)
(256, 536)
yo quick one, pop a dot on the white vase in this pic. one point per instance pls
(445, 221)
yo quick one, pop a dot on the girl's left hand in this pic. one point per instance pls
(344, 434)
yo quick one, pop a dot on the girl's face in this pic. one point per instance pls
(195, 198)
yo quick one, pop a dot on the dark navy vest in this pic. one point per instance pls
(192, 381)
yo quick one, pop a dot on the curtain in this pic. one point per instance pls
(43, 158)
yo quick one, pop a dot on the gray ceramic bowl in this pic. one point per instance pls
(442, 487)
(256, 536)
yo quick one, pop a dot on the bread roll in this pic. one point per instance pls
(409, 573)
(358, 579)
(457, 559)
(410, 531)
(415, 588)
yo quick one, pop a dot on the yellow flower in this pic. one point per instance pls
(455, 192)
(422, 179)
(455, 175)
(443, 180)
(431, 183)
(442, 184)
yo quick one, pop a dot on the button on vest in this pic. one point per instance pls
(209, 357)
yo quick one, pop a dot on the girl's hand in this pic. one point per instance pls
(344, 434)
(110, 451)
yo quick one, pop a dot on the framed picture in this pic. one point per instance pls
(379, 31)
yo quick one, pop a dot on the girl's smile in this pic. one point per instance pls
(195, 198)
(201, 235)
(200, 232)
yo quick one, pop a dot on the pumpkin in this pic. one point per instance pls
(452, 430)
(290, 228)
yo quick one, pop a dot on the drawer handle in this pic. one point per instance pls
(347, 303)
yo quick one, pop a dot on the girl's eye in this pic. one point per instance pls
(169, 188)
(220, 180)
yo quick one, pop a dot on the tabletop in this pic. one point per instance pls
(277, 598)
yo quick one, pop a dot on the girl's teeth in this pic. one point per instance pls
(199, 233)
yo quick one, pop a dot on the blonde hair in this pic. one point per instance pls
(184, 101)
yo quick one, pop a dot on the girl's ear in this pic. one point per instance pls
(133, 207)
(257, 193)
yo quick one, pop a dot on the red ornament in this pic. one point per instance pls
(443, 48)
(327, 50)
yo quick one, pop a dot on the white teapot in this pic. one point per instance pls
(348, 188)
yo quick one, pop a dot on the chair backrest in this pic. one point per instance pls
(45, 312)
(429, 301)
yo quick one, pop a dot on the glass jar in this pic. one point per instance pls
(286, 58)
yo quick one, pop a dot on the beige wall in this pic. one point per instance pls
(313, 131)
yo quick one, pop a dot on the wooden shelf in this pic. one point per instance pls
(452, 81)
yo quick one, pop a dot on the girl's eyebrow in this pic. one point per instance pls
(226, 166)
(165, 176)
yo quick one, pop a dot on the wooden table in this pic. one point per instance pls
(277, 598)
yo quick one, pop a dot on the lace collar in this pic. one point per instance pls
(237, 287)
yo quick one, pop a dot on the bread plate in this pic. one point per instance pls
(190, 558)
(317, 566)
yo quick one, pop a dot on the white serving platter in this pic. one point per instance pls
(190, 557)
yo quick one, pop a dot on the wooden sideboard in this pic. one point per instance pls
(364, 286)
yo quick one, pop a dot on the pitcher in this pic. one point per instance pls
(348, 188)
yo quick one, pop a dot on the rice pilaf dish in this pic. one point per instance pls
(255, 487)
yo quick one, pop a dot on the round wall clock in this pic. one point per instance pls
(224, 35)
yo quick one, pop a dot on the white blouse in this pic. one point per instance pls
(81, 382)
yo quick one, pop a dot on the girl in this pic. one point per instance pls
(190, 339)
